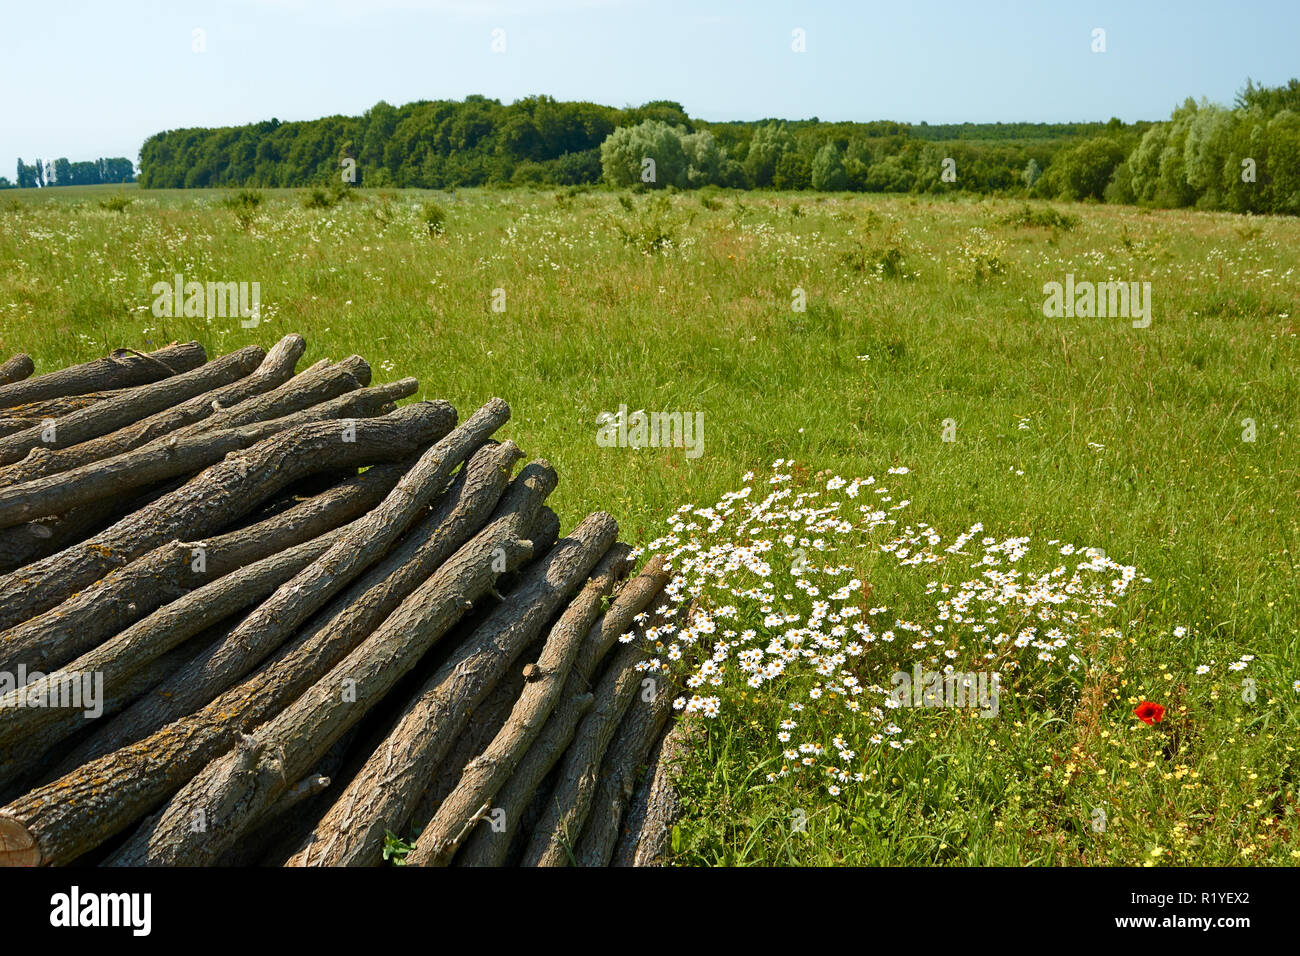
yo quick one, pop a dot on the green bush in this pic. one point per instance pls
(244, 204)
(317, 198)
(1047, 218)
(116, 203)
(434, 218)
(653, 231)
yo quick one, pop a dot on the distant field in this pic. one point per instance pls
(918, 313)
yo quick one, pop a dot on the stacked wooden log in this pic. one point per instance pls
(250, 615)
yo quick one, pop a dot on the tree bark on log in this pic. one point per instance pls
(557, 832)
(271, 841)
(36, 754)
(319, 383)
(58, 407)
(489, 847)
(338, 629)
(123, 368)
(250, 849)
(164, 629)
(276, 368)
(175, 455)
(131, 406)
(383, 795)
(641, 727)
(176, 753)
(221, 494)
(299, 735)
(16, 369)
(544, 683)
(24, 543)
(645, 836)
(271, 623)
(11, 426)
(483, 723)
(168, 573)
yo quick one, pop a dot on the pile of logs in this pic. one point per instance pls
(254, 616)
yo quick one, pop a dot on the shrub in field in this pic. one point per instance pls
(883, 260)
(1047, 217)
(434, 218)
(978, 258)
(653, 231)
(704, 159)
(782, 586)
(244, 204)
(244, 199)
(659, 156)
(317, 198)
(1031, 173)
(1120, 187)
(1083, 171)
(116, 203)
(383, 209)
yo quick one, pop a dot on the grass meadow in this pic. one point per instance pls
(1172, 448)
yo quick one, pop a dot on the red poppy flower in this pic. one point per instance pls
(1149, 713)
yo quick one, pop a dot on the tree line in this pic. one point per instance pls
(1244, 157)
(91, 172)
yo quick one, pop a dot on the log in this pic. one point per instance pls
(58, 407)
(174, 455)
(645, 836)
(276, 368)
(545, 682)
(295, 738)
(319, 383)
(544, 536)
(220, 495)
(36, 754)
(131, 406)
(10, 426)
(383, 795)
(482, 725)
(168, 573)
(280, 615)
(489, 847)
(24, 543)
(154, 635)
(123, 368)
(566, 812)
(624, 761)
(281, 816)
(16, 369)
(266, 845)
(181, 749)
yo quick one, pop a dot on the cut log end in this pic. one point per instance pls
(17, 845)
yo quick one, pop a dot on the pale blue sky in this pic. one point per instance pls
(88, 79)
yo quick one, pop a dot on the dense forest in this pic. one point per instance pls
(1244, 157)
(63, 173)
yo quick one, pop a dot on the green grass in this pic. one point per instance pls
(917, 311)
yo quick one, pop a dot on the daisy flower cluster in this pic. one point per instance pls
(775, 606)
